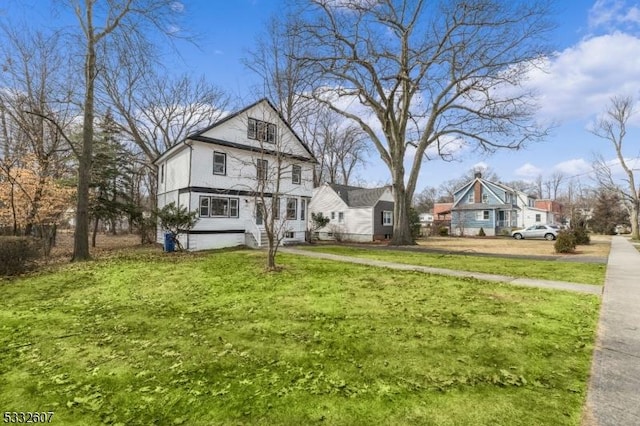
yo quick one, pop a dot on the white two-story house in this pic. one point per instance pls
(225, 173)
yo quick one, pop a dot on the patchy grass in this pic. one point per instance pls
(599, 247)
(585, 273)
(211, 339)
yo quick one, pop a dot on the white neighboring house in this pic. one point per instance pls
(356, 214)
(530, 214)
(216, 173)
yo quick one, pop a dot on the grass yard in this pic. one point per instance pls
(599, 247)
(201, 339)
(585, 273)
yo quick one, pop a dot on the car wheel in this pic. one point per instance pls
(550, 237)
(517, 236)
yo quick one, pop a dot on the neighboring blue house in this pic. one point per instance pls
(493, 207)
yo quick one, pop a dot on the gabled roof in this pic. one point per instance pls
(198, 135)
(247, 108)
(355, 196)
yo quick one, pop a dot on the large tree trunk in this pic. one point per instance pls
(402, 201)
(81, 236)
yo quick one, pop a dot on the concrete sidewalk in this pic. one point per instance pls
(527, 282)
(613, 397)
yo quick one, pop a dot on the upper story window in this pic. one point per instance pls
(261, 131)
(219, 163)
(162, 173)
(261, 169)
(296, 174)
(485, 198)
(340, 217)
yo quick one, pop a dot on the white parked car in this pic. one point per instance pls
(548, 232)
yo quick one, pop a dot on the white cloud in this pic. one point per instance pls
(617, 170)
(528, 170)
(610, 14)
(573, 167)
(579, 81)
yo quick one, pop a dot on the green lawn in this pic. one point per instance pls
(584, 273)
(205, 339)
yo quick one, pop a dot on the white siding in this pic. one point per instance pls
(326, 201)
(235, 130)
(241, 171)
(528, 216)
(176, 171)
(360, 221)
(357, 224)
(186, 173)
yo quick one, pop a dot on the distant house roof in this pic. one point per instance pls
(442, 208)
(355, 196)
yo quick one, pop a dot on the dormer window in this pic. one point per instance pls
(485, 198)
(470, 198)
(261, 131)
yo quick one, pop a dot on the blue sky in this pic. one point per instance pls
(598, 56)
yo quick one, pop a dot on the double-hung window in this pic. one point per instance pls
(204, 206)
(219, 163)
(261, 130)
(234, 210)
(292, 208)
(482, 215)
(261, 169)
(276, 208)
(303, 209)
(296, 174)
(387, 218)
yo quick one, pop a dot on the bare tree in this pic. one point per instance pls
(284, 77)
(552, 185)
(539, 186)
(276, 174)
(157, 111)
(612, 127)
(100, 22)
(35, 111)
(415, 74)
(423, 201)
(339, 147)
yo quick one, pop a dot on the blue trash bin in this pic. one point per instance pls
(169, 244)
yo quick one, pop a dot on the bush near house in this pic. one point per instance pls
(17, 255)
(481, 233)
(565, 242)
(581, 236)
